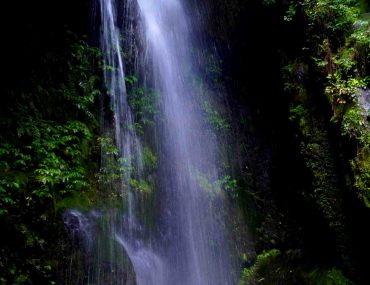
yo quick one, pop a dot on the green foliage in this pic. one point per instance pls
(212, 67)
(229, 185)
(141, 186)
(344, 91)
(249, 275)
(346, 79)
(332, 276)
(150, 159)
(113, 169)
(131, 79)
(316, 149)
(289, 268)
(143, 102)
(225, 184)
(331, 15)
(341, 91)
(296, 112)
(82, 200)
(118, 174)
(355, 125)
(107, 146)
(338, 41)
(320, 162)
(46, 157)
(361, 34)
(214, 118)
(333, 66)
(292, 10)
(48, 165)
(361, 169)
(269, 2)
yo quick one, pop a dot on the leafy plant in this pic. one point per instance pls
(141, 186)
(214, 118)
(251, 275)
(276, 267)
(143, 102)
(46, 155)
(150, 159)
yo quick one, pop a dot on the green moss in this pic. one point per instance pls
(150, 160)
(361, 169)
(332, 15)
(347, 77)
(289, 268)
(332, 276)
(141, 186)
(143, 102)
(77, 200)
(215, 118)
(261, 267)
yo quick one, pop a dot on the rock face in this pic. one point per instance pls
(79, 228)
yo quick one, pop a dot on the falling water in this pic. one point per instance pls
(126, 230)
(195, 251)
(189, 244)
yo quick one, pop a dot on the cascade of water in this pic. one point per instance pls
(196, 248)
(189, 245)
(142, 258)
(114, 75)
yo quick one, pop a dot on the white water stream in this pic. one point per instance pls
(190, 244)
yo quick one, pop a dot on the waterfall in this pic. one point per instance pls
(196, 251)
(188, 242)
